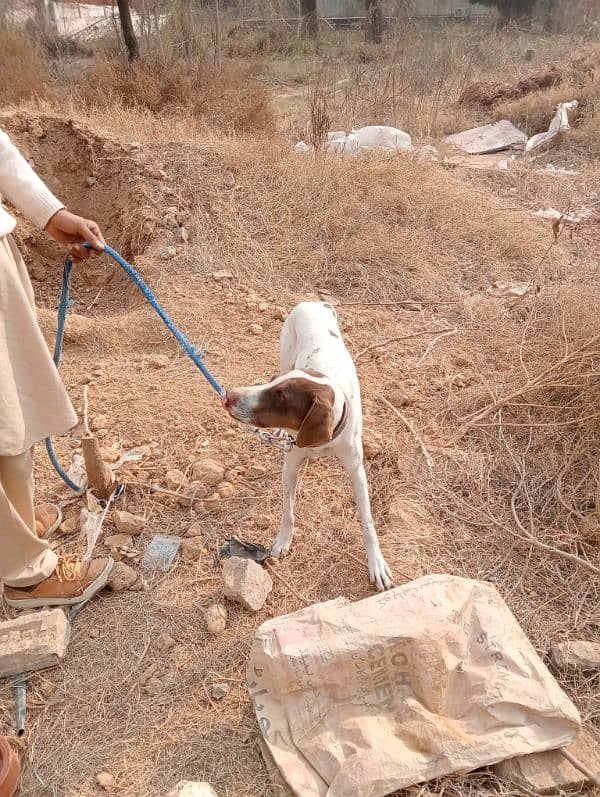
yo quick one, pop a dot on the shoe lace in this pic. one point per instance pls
(68, 567)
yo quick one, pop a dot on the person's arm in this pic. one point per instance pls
(27, 192)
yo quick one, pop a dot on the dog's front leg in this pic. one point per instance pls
(291, 468)
(379, 572)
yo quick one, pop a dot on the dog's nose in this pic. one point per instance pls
(226, 401)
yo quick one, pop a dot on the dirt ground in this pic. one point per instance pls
(367, 235)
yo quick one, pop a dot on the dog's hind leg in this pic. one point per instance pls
(291, 468)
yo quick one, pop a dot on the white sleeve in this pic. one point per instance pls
(22, 187)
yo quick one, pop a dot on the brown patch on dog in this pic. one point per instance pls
(298, 404)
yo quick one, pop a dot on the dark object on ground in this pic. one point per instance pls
(243, 549)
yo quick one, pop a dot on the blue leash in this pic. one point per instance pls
(63, 308)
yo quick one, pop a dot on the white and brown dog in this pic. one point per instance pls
(317, 398)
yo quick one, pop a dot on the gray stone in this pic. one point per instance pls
(33, 642)
(246, 582)
(576, 655)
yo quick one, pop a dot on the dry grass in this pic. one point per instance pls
(25, 71)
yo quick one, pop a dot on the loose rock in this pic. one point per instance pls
(255, 329)
(195, 530)
(122, 577)
(184, 235)
(280, 314)
(168, 253)
(218, 276)
(577, 655)
(225, 490)
(192, 549)
(216, 618)
(208, 472)
(550, 772)
(99, 422)
(70, 525)
(118, 541)
(193, 494)
(126, 523)
(219, 690)
(158, 361)
(154, 686)
(212, 502)
(246, 582)
(38, 273)
(90, 181)
(175, 479)
(105, 780)
(263, 307)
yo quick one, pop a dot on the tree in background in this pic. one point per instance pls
(131, 42)
(510, 10)
(374, 15)
(310, 19)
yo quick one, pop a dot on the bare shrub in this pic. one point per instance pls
(230, 100)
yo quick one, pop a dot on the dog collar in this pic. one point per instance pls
(341, 424)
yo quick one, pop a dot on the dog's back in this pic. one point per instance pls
(311, 338)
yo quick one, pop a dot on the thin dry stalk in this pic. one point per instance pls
(411, 428)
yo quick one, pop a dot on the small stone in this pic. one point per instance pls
(372, 444)
(399, 397)
(577, 655)
(188, 788)
(246, 582)
(229, 179)
(175, 479)
(263, 522)
(118, 541)
(550, 772)
(98, 373)
(154, 686)
(193, 494)
(212, 502)
(192, 548)
(33, 641)
(110, 455)
(70, 525)
(263, 307)
(165, 642)
(168, 253)
(99, 422)
(94, 632)
(90, 181)
(122, 577)
(280, 314)
(255, 472)
(208, 472)
(38, 273)
(219, 690)
(135, 146)
(216, 618)
(195, 530)
(225, 490)
(169, 220)
(184, 235)
(126, 523)
(158, 361)
(105, 780)
(255, 329)
(221, 275)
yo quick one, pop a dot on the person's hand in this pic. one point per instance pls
(71, 231)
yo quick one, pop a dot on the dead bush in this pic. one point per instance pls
(231, 100)
(25, 73)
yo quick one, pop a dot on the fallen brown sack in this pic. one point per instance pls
(432, 678)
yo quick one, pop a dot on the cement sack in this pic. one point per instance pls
(432, 678)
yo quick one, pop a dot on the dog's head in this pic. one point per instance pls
(299, 400)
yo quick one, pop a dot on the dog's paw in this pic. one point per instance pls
(281, 546)
(379, 572)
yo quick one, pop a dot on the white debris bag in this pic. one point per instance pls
(559, 124)
(432, 678)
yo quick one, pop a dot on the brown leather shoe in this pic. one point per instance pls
(72, 582)
(48, 518)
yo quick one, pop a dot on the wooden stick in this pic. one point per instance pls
(272, 570)
(408, 424)
(595, 779)
(393, 340)
(433, 342)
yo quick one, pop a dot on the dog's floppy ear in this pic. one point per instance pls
(316, 428)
